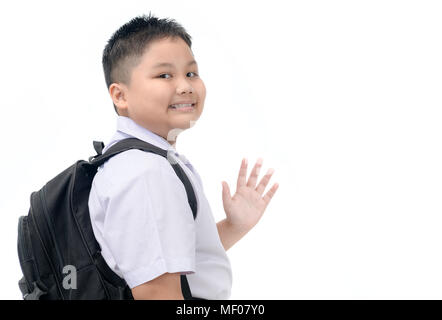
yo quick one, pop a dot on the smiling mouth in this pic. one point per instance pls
(183, 107)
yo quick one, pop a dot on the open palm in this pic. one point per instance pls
(246, 207)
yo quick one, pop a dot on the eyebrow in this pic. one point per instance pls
(167, 64)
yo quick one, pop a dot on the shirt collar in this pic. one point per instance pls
(128, 126)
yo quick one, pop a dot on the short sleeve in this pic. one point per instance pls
(148, 224)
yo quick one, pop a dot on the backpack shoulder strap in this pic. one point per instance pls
(121, 146)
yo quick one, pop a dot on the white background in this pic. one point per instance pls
(342, 98)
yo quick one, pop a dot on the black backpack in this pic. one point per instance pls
(57, 234)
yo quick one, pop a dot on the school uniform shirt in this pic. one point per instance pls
(143, 222)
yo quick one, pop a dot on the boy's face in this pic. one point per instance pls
(154, 88)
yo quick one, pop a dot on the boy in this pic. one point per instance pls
(138, 206)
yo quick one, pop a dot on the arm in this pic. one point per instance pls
(228, 235)
(165, 287)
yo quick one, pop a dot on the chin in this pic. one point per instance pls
(182, 125)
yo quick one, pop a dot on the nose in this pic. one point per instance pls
(184, 86)
(184, 90)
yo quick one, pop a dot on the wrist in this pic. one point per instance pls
(235, 228)
(228, 233)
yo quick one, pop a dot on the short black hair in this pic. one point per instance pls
(124, 49)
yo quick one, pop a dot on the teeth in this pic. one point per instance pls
(184, 105)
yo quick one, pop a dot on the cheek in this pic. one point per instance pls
(154, 96)
(201, 88)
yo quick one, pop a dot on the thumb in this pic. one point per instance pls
(226, 192)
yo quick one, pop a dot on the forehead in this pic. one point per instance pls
(168, 53)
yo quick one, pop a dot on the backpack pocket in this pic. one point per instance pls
(29, 284)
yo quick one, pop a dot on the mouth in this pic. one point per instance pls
(185, 107)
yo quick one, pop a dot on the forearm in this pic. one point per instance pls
(228, 235)
(158, 296)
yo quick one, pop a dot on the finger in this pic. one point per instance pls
(270, 193)
(254, 174)
(264, 181)
(242, 174)
(226, 192)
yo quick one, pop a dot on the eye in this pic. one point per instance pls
(164, 74)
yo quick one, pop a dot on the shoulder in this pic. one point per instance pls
(131, 166)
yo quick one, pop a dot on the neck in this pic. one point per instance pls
(172, 137)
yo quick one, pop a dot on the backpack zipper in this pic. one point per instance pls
(51, 227)
(71, 191)
(23, 252)
(24, 249)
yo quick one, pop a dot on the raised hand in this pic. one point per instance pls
(246, 207)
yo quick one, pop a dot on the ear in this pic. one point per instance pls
(118, 95)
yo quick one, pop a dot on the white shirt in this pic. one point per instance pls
(143, 222)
